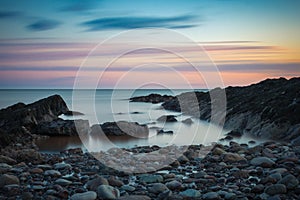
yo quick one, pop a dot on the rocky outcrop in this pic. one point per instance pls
(18, 122)
(167, 118)
(152, 98)
(44, 110)
(121, 128)
(269, 109)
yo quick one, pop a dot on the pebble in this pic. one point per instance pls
(90, 195)
(211, 196)
(262, 161)
(7, 179)
(190, 193)
(150, 178)
(128, 188)
(63, 182)
(174, 185)
(108, 192)
(157, 188)
(53, 173)
(289, 181)
(275, 189)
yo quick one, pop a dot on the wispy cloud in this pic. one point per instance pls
(139, 22)
(81, 6)
(9, 14)
(43, 25)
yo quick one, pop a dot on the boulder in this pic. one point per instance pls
(90, 195)
(152, 98)
(262, 161)
(108, 192)
(7, 179)
(121, 128)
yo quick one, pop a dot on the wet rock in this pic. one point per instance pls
(275, 189)
(289, 181)
(7, 179)
(60, 166)
(167, 118)
(95, 183)
(161, 131)
(7, 160)
(135, 197)
(63, 182)
(113, 181)
(211, 196)
(90, 195)
(218, 151)
(72, 113)
(235, 133)
(262, 161)
(121, 128)
(27, 196)
(157, 188)
(53, 173)
(150, 178)
(174, 185)
(108, 192)
(152, 98)
(190, 193)
(128, 188)
(232, 157)
(187, 121)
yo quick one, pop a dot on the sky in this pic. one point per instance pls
(141, 43)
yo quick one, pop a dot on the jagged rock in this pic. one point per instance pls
(161, 131)
(235, 133)
(121, 128)
(152, 98)
(62, 127)
(72, 113)
(167, 118)
(187, 121)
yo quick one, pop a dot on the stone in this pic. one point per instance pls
(7, 160)
(275, 189)
(152, 98)
(115, 182)
(289, 181)
(187, 121)
(157, 188)
(134, 197)
(90, 195)
(95, 183)
(218, 151)
(128, 188)
(262, 161)
(62, 182)
(60, 166)
(232, 157)
(190, 193)
(107, 192)
(36, 171)
(150, 178)
(211, 196)
(235, 133)
(167, 118)
(53, 173)
(174, 185)
(7, 179)
(121, 128)
(27, 196)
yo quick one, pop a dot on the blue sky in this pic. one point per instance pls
(269, 24)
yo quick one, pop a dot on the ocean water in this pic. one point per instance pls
(101, 106)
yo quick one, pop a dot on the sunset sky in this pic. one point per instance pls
(43, 43)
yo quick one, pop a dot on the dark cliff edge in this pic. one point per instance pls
(20, 121)
(268, 109)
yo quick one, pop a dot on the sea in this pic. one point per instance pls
(108, 105)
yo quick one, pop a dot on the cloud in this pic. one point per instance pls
(9, 14)
(80, 6)
(43, 25)
(139, 22)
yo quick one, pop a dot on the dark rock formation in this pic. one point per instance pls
(152, 98)
(73, 113)
(269, 109)
(235, 133)
(44, 110)
(167, 118)
(121, 128)
(161, 131)
(62, 127)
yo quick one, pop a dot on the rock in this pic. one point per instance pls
(190, 193)
(262, 161)
(72, 113)
(90, 195)
(7, 160)
(174, 185)
(62, 182)
(27, 196)
(7, 179)
(275, 189)
(187, 121)
(108, 192)
(113, 181)
(128, 188)
(157, 188)
(235, 133)
(150, 178)
(289, 181)
(161, 131)
(53, 173)
(211, 196)
(121, 128)
(152, 98)
(36, 171)
(167, 118)
(296, 141)
(135, 197)
(95, 183)
(60, 166)
(60, 127)
(232, 157)
(218, 151)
